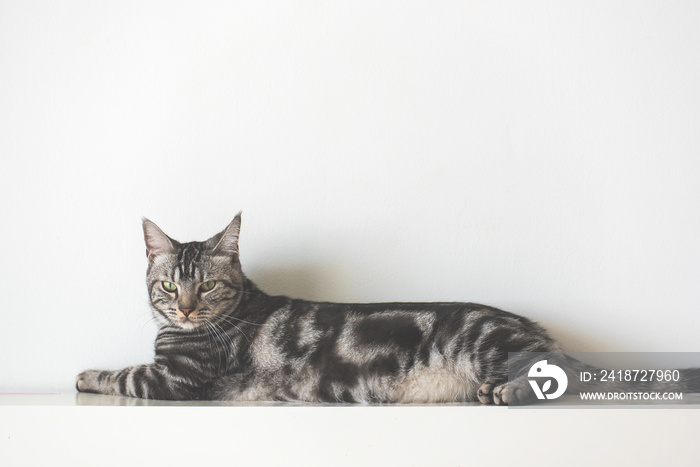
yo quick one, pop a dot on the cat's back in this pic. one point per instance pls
(300, 327)
(390, 315)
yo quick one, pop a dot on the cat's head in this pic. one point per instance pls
(192, 283)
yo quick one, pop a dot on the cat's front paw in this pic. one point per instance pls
(87, 381)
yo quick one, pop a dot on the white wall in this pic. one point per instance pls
(539, 157)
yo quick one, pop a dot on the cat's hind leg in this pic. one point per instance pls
(516, 392)
(485, 391)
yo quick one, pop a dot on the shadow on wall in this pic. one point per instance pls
(314, 282)
(327, 282)
(576, 342)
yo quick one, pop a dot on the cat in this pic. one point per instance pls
(222, 338)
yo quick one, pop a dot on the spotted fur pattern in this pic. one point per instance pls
(234, 342)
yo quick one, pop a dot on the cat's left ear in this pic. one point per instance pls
(226, 242)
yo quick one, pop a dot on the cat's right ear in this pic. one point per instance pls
(157, 243)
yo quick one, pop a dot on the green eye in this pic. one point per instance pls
(208, 285)
(169, 286)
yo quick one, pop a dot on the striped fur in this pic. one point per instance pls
(234, 342)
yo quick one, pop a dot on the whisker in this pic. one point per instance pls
(218, 342)
(228, 338)
(149, 321)
(235, 326)
(227, 317)
(226, 334)
(221, 338)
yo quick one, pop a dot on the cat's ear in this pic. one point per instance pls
(226, 242)
(157, 243)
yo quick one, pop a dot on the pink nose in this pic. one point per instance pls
(186, 311)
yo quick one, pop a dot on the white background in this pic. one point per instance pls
(540, 157)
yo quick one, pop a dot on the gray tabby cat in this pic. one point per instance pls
(222, 338)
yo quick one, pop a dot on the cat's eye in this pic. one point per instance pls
(169, 286)
(207, 286)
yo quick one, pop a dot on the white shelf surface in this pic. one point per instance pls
(87, 429)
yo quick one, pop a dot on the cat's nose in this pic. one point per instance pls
(186, 311)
